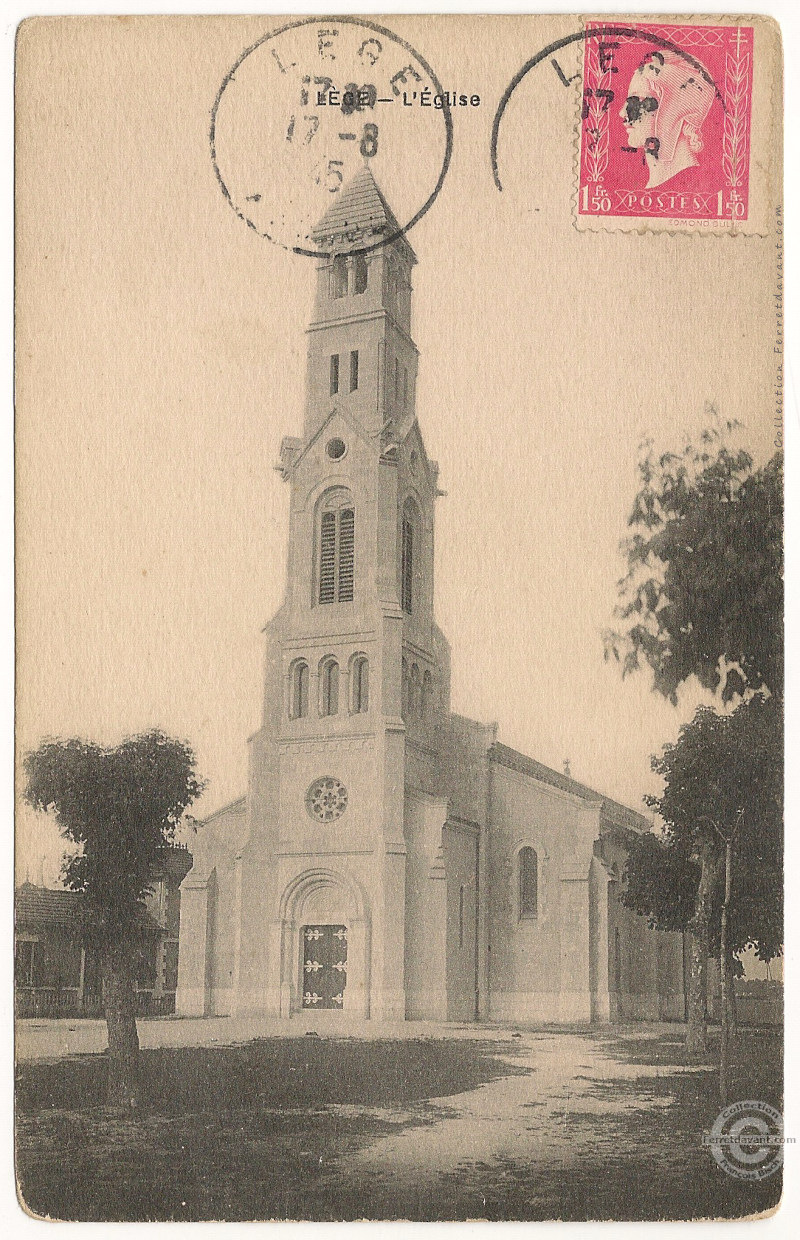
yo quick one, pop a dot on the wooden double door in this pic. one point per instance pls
(324, 967)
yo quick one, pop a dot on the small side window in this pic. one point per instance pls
(329, 688)
(298, 706)
(359, 685)
(414, 692)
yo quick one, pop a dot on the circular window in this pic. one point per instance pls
(335, 449)
(326, 799)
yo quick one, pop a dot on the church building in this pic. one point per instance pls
(392, 860)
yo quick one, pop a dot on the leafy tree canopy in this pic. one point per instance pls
(724, 773)
(703, 594)
(121, 806)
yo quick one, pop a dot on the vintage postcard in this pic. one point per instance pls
(399, 543)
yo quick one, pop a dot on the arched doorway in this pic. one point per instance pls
(324, 945)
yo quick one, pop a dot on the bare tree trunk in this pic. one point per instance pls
(699, 928)
(696, 997)
(728, 1030)
(726, 983)
(123, 1038)
(734, 1006)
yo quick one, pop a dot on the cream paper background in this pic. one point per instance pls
(160, 360)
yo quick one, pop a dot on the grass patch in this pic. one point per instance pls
(233, 1132)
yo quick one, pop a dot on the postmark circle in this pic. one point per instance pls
(746, 1140)
(610, 30)
(306, 107)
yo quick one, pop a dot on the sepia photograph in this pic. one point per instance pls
(399, 601)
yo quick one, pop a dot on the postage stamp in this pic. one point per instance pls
(666, 124)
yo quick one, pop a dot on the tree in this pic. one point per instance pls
(703, 594)
(722, 780)
(703, 598)
(120, 806)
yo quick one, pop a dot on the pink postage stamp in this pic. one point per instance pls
(665, 123)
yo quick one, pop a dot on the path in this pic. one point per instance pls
(519, 1117)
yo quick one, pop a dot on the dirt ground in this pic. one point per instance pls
(439, 1123)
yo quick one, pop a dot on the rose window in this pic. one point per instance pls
(326, 799)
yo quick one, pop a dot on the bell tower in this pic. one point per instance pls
(356, 672)
(371, 537)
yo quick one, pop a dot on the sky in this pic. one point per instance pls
(161, 354)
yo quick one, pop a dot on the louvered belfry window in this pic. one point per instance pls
(339, 277)
(327, 558)
(346, 549)
(337, 549)
(407, 570)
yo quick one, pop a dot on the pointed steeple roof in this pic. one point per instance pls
(358, 217)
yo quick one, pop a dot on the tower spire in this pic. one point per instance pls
(359, 217)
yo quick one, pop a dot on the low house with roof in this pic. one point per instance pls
(57, 966)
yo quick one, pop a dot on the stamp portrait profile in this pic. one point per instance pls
(668, 100)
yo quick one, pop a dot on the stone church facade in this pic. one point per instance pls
(392, 860)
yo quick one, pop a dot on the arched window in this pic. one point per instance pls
(359, 685)
(528, 882)
(427, 695)
(329, 687)
(336, 547)
(407, 556)
(414, 690)
(339, 277)
(360, 274)
(298, 687)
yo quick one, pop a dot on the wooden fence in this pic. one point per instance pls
(47, 1003)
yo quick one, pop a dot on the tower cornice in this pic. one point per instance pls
(368, 316)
